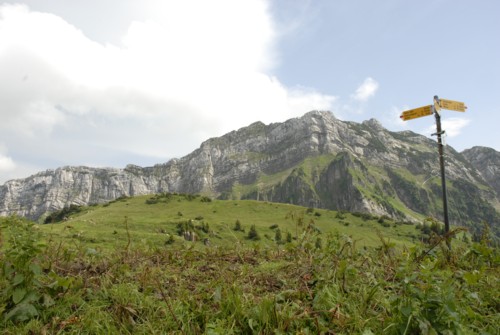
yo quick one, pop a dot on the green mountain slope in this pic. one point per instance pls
(344, 182)
(162, 219)
(313, 161)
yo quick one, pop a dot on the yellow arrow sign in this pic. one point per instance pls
(417, 112)
(452, 105)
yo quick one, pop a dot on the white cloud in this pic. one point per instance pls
(6, 164)
(367, 90)
(393, 117)
(178, 78)
(452, 126)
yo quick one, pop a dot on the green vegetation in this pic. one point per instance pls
(401, 193)
(153, 219)
(253, 234)
(128, 268)
(62, 214)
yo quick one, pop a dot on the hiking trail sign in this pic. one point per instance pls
(436, 110)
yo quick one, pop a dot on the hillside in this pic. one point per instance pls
(132, 267)
(313, 161)
(487, 162)
(152, 220)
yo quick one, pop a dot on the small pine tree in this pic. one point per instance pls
(288, 237)
(237, 225)
(253, 234)
(277, 235)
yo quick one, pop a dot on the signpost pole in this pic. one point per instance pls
(443, 177)
(435, 109)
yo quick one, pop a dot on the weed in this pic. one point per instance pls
(315, 281)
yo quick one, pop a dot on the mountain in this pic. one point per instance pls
(315, 160)
(487, 162)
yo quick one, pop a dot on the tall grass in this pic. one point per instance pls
(299, 287)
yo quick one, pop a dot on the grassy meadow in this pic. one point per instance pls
(150, 220)
(128, 267)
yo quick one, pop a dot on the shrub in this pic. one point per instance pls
(363, 215)
(25, 289)
(62, 214)
(152, 201)
(184, 226)
(190, 197)
(237, 226)
(204, 227)
(170, 240)
(205, 199)
(340, 215)
(277, 235)
(253, 234)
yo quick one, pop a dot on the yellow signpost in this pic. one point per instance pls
(435, 109)
(417, 112)
(452, 105)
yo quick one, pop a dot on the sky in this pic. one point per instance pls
(117, 82)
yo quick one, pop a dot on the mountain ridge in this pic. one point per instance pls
(313, 160)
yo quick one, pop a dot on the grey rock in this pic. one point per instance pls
(360, 165)
(487, 162)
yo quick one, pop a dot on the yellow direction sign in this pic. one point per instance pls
(452, 105)
(417, 112)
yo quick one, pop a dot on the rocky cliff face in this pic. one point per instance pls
(487, 162)
(315, 160)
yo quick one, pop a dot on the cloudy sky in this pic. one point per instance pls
(108, 83)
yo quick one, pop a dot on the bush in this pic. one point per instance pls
(184, 226)
(277, 235)
(203, 227)
(26, 291)
(190, 197)
(364, 216)
(340, 215)
(237, 226)
(253, 234)
(152, 201)
(205, 199)
(170, 240)
(62, 214)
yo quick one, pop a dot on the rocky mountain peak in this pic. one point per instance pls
(487, 162)
(314, 160)
(374, 124)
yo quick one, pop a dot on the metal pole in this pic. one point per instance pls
(443, 177)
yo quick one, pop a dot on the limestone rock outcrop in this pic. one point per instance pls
(315, 160)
